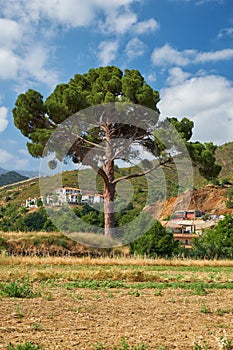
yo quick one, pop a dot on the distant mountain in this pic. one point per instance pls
(11, 177)
(3, 171)
(26, 173)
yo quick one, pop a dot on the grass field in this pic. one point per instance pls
(119, 304)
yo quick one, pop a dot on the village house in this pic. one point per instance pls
(186, 225)
(63, 195)
(188, 214)
(183, 231)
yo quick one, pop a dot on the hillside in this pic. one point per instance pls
(210, 199)
(26, 173)
(18, 193)
(11, 177)
(224, 156)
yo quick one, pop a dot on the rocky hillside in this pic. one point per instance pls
(211, 199)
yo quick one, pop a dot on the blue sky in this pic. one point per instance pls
(184, 49)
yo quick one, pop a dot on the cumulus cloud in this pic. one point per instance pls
(167, 55)
(25, 21)
(31, 65)
(207, 100)
(177, 76)
(120, 23)
(107, 51)
(10, 33)
(116, 15)
(5, 156)
(3, 118)
(135, 48)
(35, 65)
(9, 64)
(214, 56)
(145, 26)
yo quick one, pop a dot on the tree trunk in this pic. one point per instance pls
(109, 216)
(109, 194)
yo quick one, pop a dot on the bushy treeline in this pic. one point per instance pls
(157, 241)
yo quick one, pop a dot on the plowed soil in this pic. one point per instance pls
(80, 318)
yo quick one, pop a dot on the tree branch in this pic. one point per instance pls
(131, 176)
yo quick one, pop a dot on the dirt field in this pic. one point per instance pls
(164, 307)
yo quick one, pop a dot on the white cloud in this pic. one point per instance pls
(135, 48)
(117, 17)
(16, 161)
(145, 26)
(107, 51)
(151, 77)
(207, 100)
(219, 55)
(177, 76)
(225, 32)
(167, 55)
(34, 65)
(5, 156)
(203, 2)
(65, 12)
(3, 118)
(10, 33)
(9, 64)
(27, 22)
(118, 23)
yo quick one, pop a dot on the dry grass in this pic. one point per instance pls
(114, 269)
(116, 261)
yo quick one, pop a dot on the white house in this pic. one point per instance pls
(92, 198)
(70, 195)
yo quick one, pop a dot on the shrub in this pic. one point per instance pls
(157, 241)
(16, 290)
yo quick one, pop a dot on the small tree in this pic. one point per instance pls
(157, 241)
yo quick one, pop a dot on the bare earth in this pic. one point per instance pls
(79, 318)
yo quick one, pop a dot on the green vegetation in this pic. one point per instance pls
(216, 243)
(16, 218)
(157, 241)
(25, 346)
(229, 202)
(16, 290)
(11, 177)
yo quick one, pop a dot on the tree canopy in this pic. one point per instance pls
(216, 243)
(116, 95)
(157, 241)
